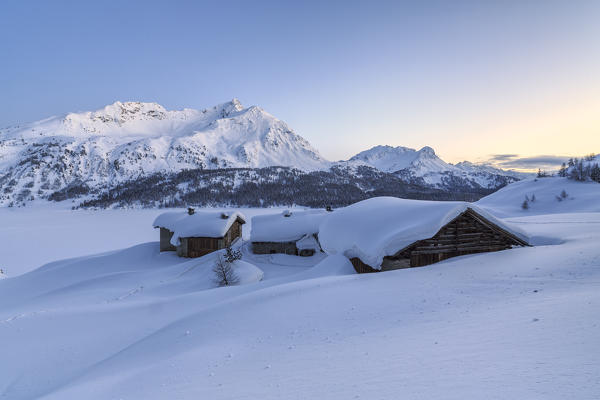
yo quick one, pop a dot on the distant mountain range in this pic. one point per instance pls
(87, 155)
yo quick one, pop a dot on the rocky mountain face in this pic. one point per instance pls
(125, 141)
(425, 167)
(89, 154)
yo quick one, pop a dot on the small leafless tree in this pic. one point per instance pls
(224, 273)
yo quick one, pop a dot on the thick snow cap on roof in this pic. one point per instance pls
(213, 224)
(381, 226)
(287, 226)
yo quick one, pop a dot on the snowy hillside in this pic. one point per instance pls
(134, 323)
(126, 140)
(426, 165)
(544, 196)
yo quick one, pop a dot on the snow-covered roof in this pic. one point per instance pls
(281, 228)
(308, 242)
(213, 224)
(381, 226)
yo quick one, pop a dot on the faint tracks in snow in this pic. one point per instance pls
(132, 292)
(23, 315)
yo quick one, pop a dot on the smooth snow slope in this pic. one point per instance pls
(507, 202)
(521, 323)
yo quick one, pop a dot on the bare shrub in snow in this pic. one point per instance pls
(224, 273)
(232, 255)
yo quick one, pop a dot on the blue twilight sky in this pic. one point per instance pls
(475, 80)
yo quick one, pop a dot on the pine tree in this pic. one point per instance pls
(563, 170)
(595, 173)
(525, 205)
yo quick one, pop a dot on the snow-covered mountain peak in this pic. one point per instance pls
(424, 165)
(126, 140)
(229, 108)
(117, 113)
(427, 152)
(392, 159)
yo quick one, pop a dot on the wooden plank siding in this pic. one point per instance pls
(199, 246)
(469, 233)
(275, 247)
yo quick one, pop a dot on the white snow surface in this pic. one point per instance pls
(247, 272)
(521, 323)
(581, 197)
(213, 224)
(382, 226)
(60, 233)
(290, 228)
(139, 324)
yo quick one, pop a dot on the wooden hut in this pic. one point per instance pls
(398, 233)
(289, 232)
(194, 234)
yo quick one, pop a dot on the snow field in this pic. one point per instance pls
(135, 323)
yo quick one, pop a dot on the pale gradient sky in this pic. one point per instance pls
(469, 78)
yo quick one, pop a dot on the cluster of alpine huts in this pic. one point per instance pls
(378, 234)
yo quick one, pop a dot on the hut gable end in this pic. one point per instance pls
(468, 233)
(194, 234)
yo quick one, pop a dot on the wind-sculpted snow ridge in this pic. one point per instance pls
(125, 141)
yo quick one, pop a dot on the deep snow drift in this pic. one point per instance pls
(135, 323)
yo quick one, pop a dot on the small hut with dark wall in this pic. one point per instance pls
(386, 233)
(196, 233)
(290, 232)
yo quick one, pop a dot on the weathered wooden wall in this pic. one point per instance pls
(275, 247)
(468, 233)
(233, 233)
(199, 246)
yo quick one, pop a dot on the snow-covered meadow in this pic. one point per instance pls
(134, 323)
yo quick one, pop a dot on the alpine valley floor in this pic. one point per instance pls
(134, 323)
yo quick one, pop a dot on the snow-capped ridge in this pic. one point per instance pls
(424, 165)
(128, 140)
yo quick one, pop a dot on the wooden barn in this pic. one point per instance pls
(395, 233)
(289, 232)
(194, 234)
